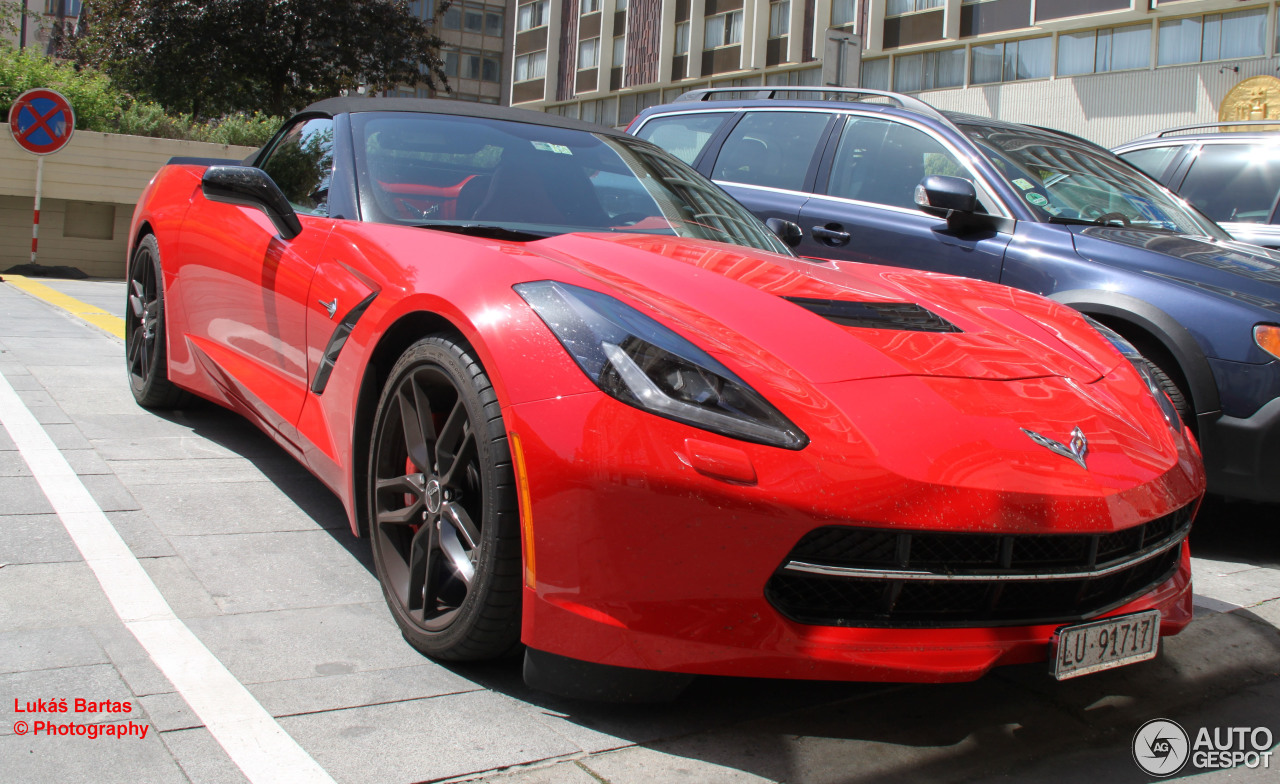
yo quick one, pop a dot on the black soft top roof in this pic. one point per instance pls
(332, 106)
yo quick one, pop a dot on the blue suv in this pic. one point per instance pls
(887, 179)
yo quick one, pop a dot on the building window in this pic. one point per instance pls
(619, 5)
(929, 70)
(493, 23)
(470, 65)
(451, 64)
(530, 66)
(779, 19)
(619, 50)
(899, 7)
(589, 7)
(531, 15)
(1099, 51)
(875, 74)
(1011, 61)
(682, 38)
(473, 19)
(723, 30)
(452, 19)
(843, 12)
(70, 7)
(588, 53)
(1213, 37)
(492, 70)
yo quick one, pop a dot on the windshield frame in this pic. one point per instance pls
(679, 201)
(1132, 198)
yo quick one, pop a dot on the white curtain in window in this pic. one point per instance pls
(908, 73)
(986, 65)
(1123, 48)
(1075, 53)
(589, 53)
(844, 12)
(1029, 59)
(875, 74)
(894, 7)
(779, 19)
(713, 33)
(682, 38)
(1179, 41)
(944, 69)
(734, 24)
(619, 50)
(1242, 34)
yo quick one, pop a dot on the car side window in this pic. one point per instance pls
(301, 164)
(683, 135)
(1153, 161)
(771, 149)
(882, 162)
(1234, 183)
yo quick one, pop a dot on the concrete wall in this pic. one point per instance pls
(90, 189)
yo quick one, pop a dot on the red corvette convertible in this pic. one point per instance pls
(580, 400)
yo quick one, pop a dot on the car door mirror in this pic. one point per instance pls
(941, 196)
(251, 187)
(788, 231)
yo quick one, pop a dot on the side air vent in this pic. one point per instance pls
(906, 316)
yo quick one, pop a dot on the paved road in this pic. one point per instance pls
(254, 557)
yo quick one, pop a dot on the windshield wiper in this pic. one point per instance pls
(1113, 224)
(485, 230)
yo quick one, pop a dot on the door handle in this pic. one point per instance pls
(830, 234)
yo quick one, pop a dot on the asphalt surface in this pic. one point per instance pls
(256, 564)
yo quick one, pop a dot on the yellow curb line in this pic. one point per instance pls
(107, 322)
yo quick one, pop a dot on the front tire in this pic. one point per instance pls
(146, 353)
(444, 521)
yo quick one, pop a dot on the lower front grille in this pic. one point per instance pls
(846, 576)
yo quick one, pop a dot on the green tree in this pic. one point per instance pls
(11, 20)
(219, 56)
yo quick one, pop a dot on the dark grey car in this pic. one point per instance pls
(1231, 176)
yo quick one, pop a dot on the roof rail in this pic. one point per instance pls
(764, 93)
(1219, 124)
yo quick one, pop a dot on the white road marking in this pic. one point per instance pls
(264, 752)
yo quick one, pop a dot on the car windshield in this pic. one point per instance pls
(517, 180)
(1064, 180)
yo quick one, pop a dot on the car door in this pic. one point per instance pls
(863, 207)
(245, 288)
(768, 160)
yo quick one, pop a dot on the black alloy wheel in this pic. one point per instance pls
(443, 515)
(144, 332)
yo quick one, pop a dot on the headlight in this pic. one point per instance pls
(642, 363)
(1267, 336)
(1140, 364)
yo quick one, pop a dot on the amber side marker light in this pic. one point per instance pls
(1268, 337)
(526, 510)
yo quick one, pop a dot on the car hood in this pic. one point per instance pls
(1235, 270)
(794, 316)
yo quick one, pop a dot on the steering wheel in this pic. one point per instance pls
(1101, 218)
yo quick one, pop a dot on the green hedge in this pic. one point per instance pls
(101, 106)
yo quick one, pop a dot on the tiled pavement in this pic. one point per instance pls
(254, 555)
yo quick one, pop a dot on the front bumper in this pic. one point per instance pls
(643, 553)
(1242, 454)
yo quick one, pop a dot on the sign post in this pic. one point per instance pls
(41, 122)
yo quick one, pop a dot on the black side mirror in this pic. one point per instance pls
(251, 187)
(787, 231)
(941, 196)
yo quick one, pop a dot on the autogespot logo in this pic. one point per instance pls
(1161, 747)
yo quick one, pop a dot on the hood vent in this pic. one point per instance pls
(906, 316)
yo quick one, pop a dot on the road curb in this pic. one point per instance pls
(111, 324)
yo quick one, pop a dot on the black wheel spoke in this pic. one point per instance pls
(455, 552)
(458, 517)
(452, 443)
(419, 431)
(421, 554)
(453, 475)
(136, 298)
(412, 513)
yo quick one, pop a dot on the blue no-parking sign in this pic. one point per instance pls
(41, 121)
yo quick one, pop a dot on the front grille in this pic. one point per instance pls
(846, 576)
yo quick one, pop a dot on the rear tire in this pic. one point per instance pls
(443, 517)
(146, 352)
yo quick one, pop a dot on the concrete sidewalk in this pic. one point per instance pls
(255, 557)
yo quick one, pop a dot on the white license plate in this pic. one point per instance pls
(1101, 645)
